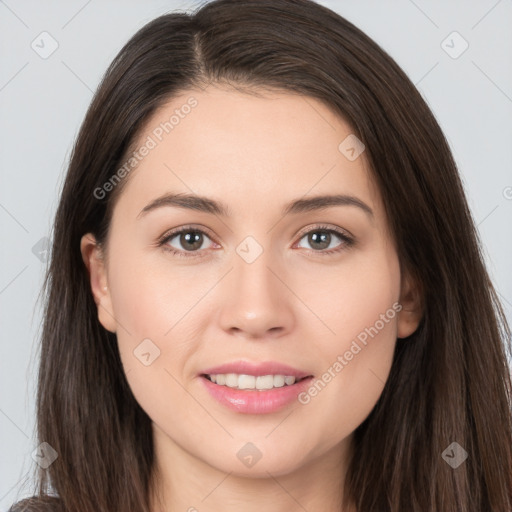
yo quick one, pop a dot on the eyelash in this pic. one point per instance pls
(347, 242)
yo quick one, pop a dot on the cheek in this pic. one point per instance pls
(357, 356)
(150, 296)
(151, 306)
(158, 309)
(353, 300)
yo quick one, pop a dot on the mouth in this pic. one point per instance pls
(255, 388)
(252, 382)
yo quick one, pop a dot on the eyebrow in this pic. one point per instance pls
(207, 205)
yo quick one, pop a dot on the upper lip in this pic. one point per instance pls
(256, 369)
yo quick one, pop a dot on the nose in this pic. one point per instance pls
(256, 303)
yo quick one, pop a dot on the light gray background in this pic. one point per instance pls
(43, 102)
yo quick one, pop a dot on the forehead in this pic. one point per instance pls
(231, 144)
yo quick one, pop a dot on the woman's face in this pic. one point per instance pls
(285, 272)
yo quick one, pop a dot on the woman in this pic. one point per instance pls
(266, 290)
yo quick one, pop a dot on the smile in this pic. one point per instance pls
(260, 383)
(255, 388)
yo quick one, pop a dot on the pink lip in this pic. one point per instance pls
(252, 401)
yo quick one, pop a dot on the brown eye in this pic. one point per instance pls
(319, 239)
(185, 240)
(323, 240)
(191, 240)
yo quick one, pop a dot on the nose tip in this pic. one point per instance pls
(255, 303)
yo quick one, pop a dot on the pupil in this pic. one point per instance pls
(323, 239)
(193, 239)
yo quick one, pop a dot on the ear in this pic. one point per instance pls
(411, 313)
(93, 258)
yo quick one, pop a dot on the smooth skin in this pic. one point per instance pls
(295, 303)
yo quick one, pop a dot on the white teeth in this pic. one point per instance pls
(280, 379)
(246, 382)
(264, 382)
(242, 381)
(289, 380)
(232, 380)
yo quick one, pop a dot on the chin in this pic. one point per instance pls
(249, 461)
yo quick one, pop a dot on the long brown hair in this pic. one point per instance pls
(450, 380)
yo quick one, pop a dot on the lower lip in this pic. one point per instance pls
(251, 401)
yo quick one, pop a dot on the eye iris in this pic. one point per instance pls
(193, 238)
(324, 239)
